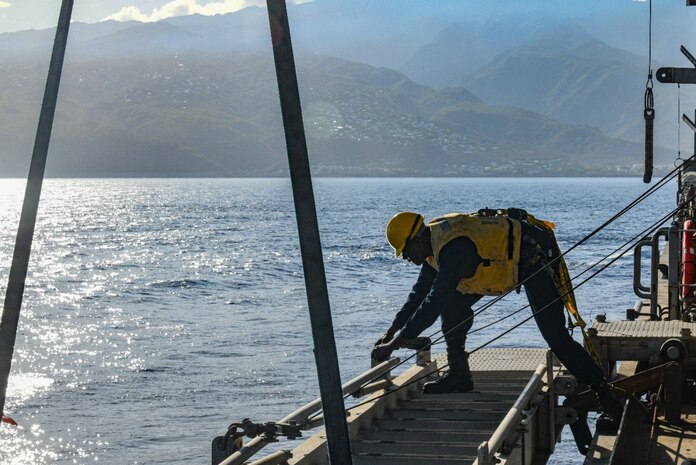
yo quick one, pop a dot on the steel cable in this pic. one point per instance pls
(628, 245)
(661, 183)
(652, 228)
(658, 185)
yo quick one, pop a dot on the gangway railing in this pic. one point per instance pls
(527, 434)
(532, 425)
(300, 417)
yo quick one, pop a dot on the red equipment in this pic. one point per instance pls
(688, 259)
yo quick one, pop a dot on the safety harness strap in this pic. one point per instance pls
(561, 279)
(565, 289)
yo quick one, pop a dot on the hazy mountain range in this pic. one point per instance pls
(384, 92)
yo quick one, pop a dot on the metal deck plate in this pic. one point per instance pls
(642, 329)
(502, 359)
(640, 340)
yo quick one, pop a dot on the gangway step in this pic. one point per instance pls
(471, 414)
(463, 404)
(454, 405)
(473, 396)
(412, 447)
(434, 425)
(408, 459)
(412, 428)
(439, 429)
(484, 387)
(459, 437)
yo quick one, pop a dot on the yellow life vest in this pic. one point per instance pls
(497, 240)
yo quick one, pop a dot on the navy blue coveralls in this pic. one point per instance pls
(435, 294)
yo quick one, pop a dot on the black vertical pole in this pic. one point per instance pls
(649, 116)
(649, 109)
(310, 244)
(27, 221)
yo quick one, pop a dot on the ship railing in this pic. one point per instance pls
(372, 380)
(671, 235)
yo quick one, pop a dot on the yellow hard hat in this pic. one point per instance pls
(402, 228)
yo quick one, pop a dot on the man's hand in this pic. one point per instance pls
(386, 337)
(382, 352)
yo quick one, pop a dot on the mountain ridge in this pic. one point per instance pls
(168, 90)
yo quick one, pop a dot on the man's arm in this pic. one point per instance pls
(418, 292)
(458, 260)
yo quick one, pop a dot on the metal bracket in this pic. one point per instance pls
(507, 448)
(688, 122)
(566, 416)
(526, 420)
(676, 75)
(565, 385)
(679, 75)
(223, 447)
(673, 392)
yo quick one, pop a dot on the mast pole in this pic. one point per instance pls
(310, 244)
(32, 194)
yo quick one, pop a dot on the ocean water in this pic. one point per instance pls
(158, 311)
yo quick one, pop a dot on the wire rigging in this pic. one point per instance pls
(613, 257)
(586, 270)
(668, 177)
(651, 229)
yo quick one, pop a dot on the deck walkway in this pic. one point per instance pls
(410, 428)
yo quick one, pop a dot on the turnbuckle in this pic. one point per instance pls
(268, 431)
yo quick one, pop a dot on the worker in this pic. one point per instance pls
(466, 256)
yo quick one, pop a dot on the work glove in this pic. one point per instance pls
(381, 352)
(387, 336)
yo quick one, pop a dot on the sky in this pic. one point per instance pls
(16, 15)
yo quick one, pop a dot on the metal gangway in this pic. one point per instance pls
(511, 417)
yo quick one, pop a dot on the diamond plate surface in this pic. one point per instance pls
(502, 359)
(642, 329)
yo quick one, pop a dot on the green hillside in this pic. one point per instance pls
(193, 114)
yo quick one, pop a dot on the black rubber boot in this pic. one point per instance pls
(458, 379)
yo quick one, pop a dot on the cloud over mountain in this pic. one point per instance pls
(182, 8)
